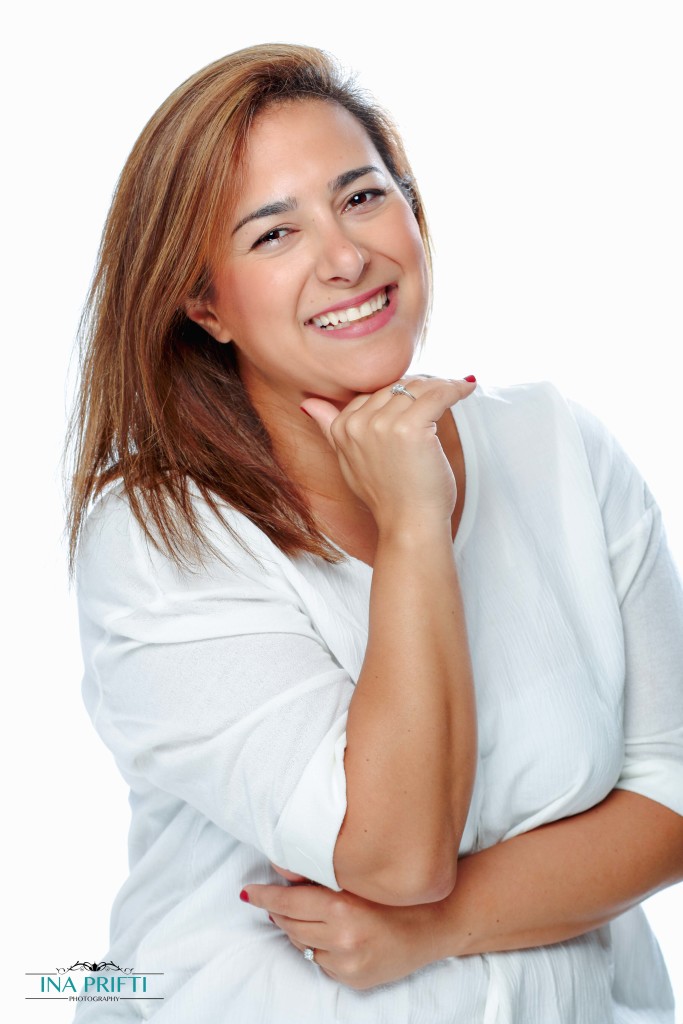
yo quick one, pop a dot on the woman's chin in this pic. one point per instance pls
(376, 379)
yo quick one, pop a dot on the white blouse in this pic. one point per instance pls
(222, 693)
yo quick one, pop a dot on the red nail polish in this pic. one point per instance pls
(306, 411)
(244, 895)
(471, 379)
(270, 918)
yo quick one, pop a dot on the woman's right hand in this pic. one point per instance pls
(411, 727)
(356, 942)
(389, 451)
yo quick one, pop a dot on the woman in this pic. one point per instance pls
(305, 571)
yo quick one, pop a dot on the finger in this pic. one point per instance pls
(362, 404)
(420, 386)
(324, 413)
(433, 396)
(304, 933)
(289, 875)
(302, 902)
(321, 958)
(470, 379)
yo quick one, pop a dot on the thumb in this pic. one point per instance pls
(324, 413)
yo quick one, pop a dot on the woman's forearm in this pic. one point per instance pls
(543, 887)
(411, 733)
(560, 880)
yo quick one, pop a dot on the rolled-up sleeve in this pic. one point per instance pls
(213, 686)
(652, 613)
(650, 595)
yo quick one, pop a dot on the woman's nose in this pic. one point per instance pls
(340, 257)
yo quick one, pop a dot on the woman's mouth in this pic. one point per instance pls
(340, 318)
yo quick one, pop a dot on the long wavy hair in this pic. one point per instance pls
(161, 405)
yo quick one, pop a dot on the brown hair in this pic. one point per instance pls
(161, 403)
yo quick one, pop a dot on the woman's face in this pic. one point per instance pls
(323, 284)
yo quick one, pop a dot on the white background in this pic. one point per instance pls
(547, 141)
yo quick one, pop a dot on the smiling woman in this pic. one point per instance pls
(331, 246)
(410, 644)
(180, 408)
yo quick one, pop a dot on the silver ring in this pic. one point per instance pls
(309, 954)
(401, 389)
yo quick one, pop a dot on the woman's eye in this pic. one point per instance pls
(270, 237)
(366, 196)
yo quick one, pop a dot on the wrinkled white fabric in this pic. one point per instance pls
(223, 693)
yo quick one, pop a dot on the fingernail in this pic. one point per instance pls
(270, 918)
(244, 896)
(471, 379)
(305, 410)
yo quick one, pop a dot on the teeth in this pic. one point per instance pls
(344, 316)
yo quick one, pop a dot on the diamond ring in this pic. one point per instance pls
(401, 389)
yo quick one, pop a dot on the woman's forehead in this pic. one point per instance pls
(298, 142)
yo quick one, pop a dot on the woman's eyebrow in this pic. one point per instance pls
(289, 203)
(269, 210)
(348, 177)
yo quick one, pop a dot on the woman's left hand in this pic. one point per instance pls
(357, 943)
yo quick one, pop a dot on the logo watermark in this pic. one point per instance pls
(104, 982)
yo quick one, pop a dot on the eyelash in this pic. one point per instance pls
(266, 240)
(373, 192)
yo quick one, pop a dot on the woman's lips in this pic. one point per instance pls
(366, 323)
(356, 301)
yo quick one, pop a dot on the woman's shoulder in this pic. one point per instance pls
(120, 559)
(539, 410)
(132, 588)
(526, 403)
(531, 423)
(545, 433)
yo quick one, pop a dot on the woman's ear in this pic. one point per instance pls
(202, 313)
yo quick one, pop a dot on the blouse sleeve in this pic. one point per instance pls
(213, 686)
(650, 597)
